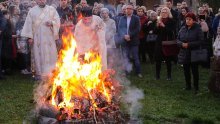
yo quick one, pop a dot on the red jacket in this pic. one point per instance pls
(143, 20)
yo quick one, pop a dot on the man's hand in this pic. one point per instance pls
(30, 41)
(14, 36)
(185, 45)
(49, 23)
(127, 37)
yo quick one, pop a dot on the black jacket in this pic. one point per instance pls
(133, 31)
(194, 37)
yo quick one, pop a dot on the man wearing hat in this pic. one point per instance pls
(90, 35)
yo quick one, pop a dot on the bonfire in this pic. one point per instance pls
(78, 90)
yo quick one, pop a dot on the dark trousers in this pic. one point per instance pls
(132, 51)
(195, 73)
(23, 61)
(142, 50)
(150, 48)
(168, 60)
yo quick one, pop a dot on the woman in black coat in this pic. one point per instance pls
(167, 48)
(151, 30)
(190, 38)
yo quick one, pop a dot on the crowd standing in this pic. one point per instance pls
(165, 34)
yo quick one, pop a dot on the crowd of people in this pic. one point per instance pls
(165, 34)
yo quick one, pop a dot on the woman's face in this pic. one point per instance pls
(189, 21)
(183, 12)
(153, 17)
(95, 11)
(164, 13)
(140, 12)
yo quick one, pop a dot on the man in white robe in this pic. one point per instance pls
(42, 27)
(90, 35)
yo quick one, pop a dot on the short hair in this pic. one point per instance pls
(86, 11)
(5, 12)
(153, 13)
(124, 6)
(191, 15)
(143, 8)
(171, 1)
(105, 10)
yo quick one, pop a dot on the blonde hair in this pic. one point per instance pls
(142, 8)
(168, 11)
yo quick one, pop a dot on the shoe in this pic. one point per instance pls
(157, 78)
(25, 72)
(169, 78)
(196, 92)
(140, 75)
(187, 88)
(2, 78)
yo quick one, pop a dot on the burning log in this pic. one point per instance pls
(81, 92)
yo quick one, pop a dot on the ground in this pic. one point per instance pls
(164, 101)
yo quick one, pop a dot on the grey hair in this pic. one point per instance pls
(105, 10)
(153, 13)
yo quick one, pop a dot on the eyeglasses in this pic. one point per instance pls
(140, 11)
(130, 8)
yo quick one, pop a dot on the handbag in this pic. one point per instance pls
(151, 38)
(199, 55)
(170, 42)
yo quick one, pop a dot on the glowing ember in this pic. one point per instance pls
(79, 85)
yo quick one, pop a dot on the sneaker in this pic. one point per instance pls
(196, 92)
(169, 79)
(25, 72)
(157, 78)
(140, 75)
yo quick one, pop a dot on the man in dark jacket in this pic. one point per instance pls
(128, 29)
(174, 13)
(3, 26)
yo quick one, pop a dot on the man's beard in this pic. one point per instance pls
(42, 6)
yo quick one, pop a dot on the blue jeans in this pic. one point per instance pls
(131, 53)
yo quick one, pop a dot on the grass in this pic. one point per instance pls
(164, 102)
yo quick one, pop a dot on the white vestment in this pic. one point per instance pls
(44, 52)
(92, 38)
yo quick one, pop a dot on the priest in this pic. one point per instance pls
(42, 27)
(90, 35)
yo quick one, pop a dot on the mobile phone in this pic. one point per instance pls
(202, 17)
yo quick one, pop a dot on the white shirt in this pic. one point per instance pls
(128, 23)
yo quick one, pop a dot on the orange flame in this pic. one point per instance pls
(77, 78)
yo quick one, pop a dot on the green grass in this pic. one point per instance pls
(165, 102)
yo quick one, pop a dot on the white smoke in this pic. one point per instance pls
(131, 95)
